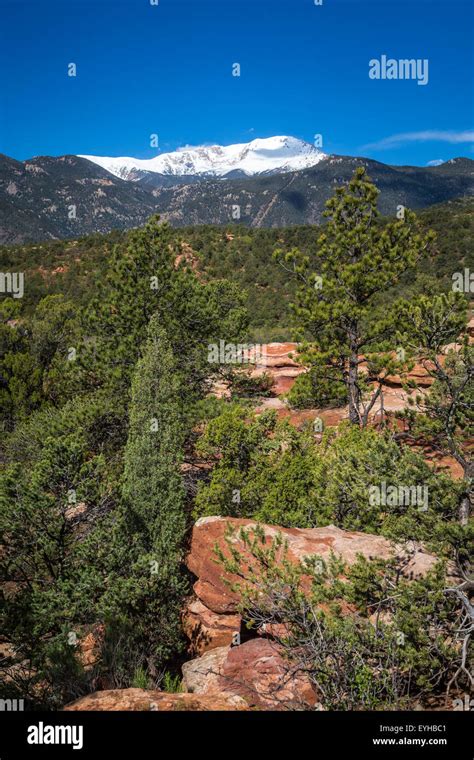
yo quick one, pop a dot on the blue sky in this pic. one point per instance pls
(167, 69)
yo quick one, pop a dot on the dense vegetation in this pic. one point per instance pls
(243, 256)
(105, 386)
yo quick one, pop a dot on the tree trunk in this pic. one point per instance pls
(353, 376)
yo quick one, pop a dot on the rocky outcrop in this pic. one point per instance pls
(212, 589)
(255, 668)
(233, 671)
(143, 700)
(278, 360)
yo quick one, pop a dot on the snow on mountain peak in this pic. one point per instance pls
(272, 154)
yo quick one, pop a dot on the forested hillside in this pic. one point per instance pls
(242, 255)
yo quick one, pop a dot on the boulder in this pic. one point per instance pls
(211, 587)
(200, 676)
(254, 671)
(142, 700)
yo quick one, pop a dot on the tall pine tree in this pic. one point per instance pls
(147, 582)
(357, 259)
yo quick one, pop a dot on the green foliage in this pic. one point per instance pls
(146, 280)
(273, 473)
(93, 502)
(140, 679)
(427, 325)
(52, 589)
(317, 389)
(443, 417)
(147, 583)
(34, 370)
(172, 683)
(243, 256)
(242, 385)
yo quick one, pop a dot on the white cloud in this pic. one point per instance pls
(435, 162)
(429, 135)
(185, 148)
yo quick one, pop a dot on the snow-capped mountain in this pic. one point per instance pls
(32, 193)
(272, 155)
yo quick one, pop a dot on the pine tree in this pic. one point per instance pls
(357, 260)
(148, 583)
(145, 280)
(152, 485)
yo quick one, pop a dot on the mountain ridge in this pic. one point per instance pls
(281, 200)
(37, 196)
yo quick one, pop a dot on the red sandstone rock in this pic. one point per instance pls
(419, 374)
(90, 645)
(214, 593)
(255, 671)
(141, 699)
(278, 361)
(207, 630)
(200, 676)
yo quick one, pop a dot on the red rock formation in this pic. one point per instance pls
(278, 361)
(253, 674)
(211, 617)
(141, 699)
(255, 671)
(90, 645)
(284, 370)
(211, 587)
